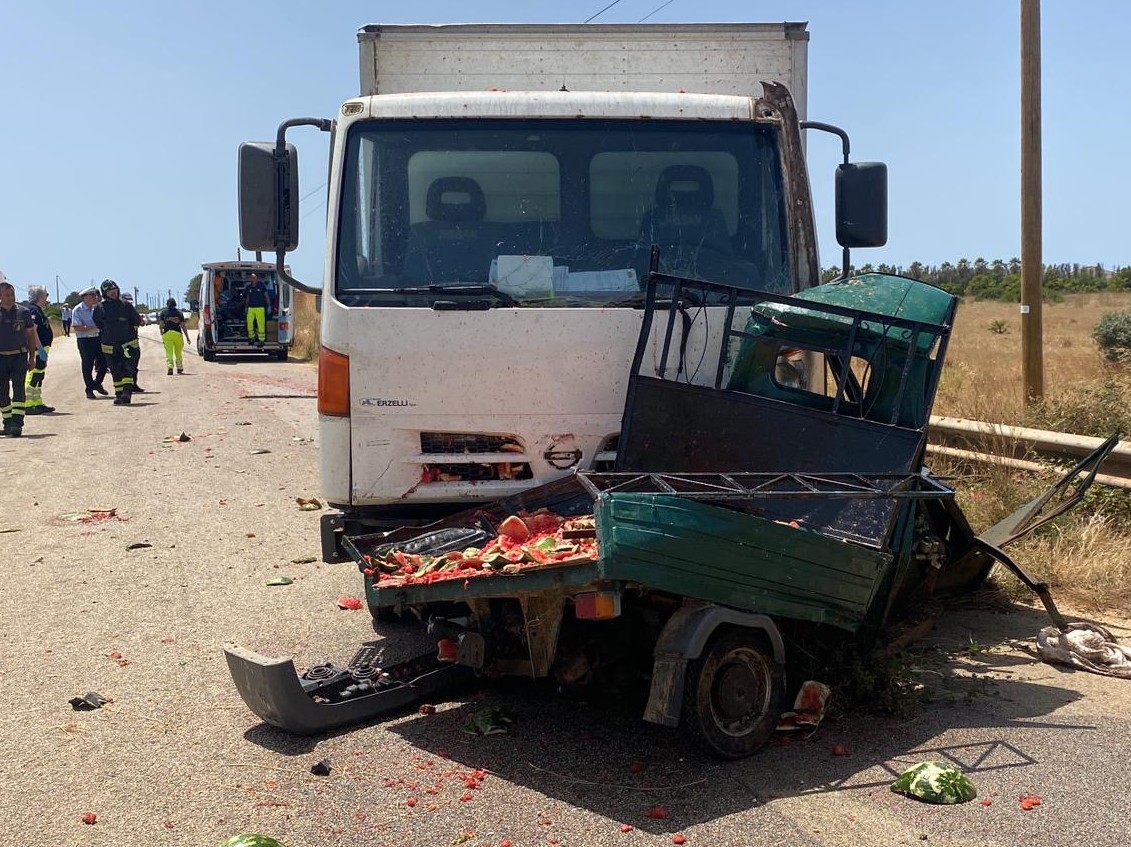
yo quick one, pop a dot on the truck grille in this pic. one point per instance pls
(452, 446)
(467, 442)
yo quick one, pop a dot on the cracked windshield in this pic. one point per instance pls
(553, 213)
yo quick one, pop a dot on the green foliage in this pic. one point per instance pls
(999, 327)
(1096, 409)
(1113, 335)
(193, 290)
(1000, 280)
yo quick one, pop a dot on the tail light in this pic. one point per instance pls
(333, 383)
(207, 314)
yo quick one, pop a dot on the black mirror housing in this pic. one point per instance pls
(862, 204)
(268, 204)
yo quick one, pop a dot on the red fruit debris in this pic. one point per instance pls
(625, 827)
(167, 824)
(466, 798)
(656, 813)
(410, 802)
(840, 750)
(90, 818)
(250, 534)
(506, 842)
(679, 838)
(1029, 801)
(987, 802)
(351, 603)
(636, 767)
(427, 709)
(114, 654)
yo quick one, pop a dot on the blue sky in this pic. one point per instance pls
(118, 148)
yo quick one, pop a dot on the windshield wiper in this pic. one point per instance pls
(476, 289)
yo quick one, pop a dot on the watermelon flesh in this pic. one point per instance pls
(250, 839)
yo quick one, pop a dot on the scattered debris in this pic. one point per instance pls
(1029, 801)
(243, 423)
(182, 438)
(321, 768)
(280, 580)
(490, 721)
(427, 709)
(259, 451)
(89, 702)
(138, 545)
(308, 504)
(304, 560)
(808, 708)
(935, 782)
(1087, 646)
(90, 818)
(657, 813)
(351, 603)
(9, 529)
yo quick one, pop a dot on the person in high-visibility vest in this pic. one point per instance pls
(258, 298)
(174, 335)
(36, 300)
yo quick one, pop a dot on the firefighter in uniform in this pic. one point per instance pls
(117, 321)
(36, 300)
(17, 353)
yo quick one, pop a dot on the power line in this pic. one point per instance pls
(654, 11)
(587, 20)
(323, 185)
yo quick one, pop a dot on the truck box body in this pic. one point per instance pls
(698, 58)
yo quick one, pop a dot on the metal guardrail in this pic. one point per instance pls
(1019, 447)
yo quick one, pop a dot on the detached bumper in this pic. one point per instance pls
(329, 696)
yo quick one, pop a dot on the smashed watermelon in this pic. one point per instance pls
(250, 839)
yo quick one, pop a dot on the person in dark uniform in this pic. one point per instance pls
(18, 343)
(174, 335)
(36, 300)
(117, 322)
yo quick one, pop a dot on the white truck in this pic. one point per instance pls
(497, 196)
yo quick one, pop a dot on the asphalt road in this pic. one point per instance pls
(131, 557)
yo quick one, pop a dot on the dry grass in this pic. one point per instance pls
(1086, 557)
(982, 378)
(307, 328)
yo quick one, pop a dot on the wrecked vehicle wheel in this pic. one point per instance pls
(733, 695)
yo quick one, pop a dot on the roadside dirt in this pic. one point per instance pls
(130, 557)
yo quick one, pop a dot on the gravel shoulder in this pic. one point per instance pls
(136, 604)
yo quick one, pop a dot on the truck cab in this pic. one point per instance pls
(223, 311)
(491, 225)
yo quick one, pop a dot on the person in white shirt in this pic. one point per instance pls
(90, 348)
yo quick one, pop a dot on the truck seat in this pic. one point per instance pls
(451, 246)
(684, 218)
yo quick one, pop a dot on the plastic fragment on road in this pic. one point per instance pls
(808, 707)
(138, 545)
(321, 768)
(935, 782)
(280, 580)
(89, 701)
(1087, 646)
(259, 451)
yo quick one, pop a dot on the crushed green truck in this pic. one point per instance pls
(789, 493)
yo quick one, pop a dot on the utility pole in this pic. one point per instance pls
(57, 300)
(1032, 262)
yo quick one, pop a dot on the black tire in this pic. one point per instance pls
(281, 355)
(733, 694)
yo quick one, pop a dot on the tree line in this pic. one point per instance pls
(1001, 280)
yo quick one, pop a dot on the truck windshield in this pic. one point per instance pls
(555, 212)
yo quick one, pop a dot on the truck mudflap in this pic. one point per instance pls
(329, 696)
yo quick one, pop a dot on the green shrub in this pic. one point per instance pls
(1097, 410)
(1113, 335)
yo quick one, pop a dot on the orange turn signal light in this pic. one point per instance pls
(333, 383)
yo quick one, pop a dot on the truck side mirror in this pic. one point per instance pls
(268, 204)
(862, 204)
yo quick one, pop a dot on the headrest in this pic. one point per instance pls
(456, 198)
(685, 187)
